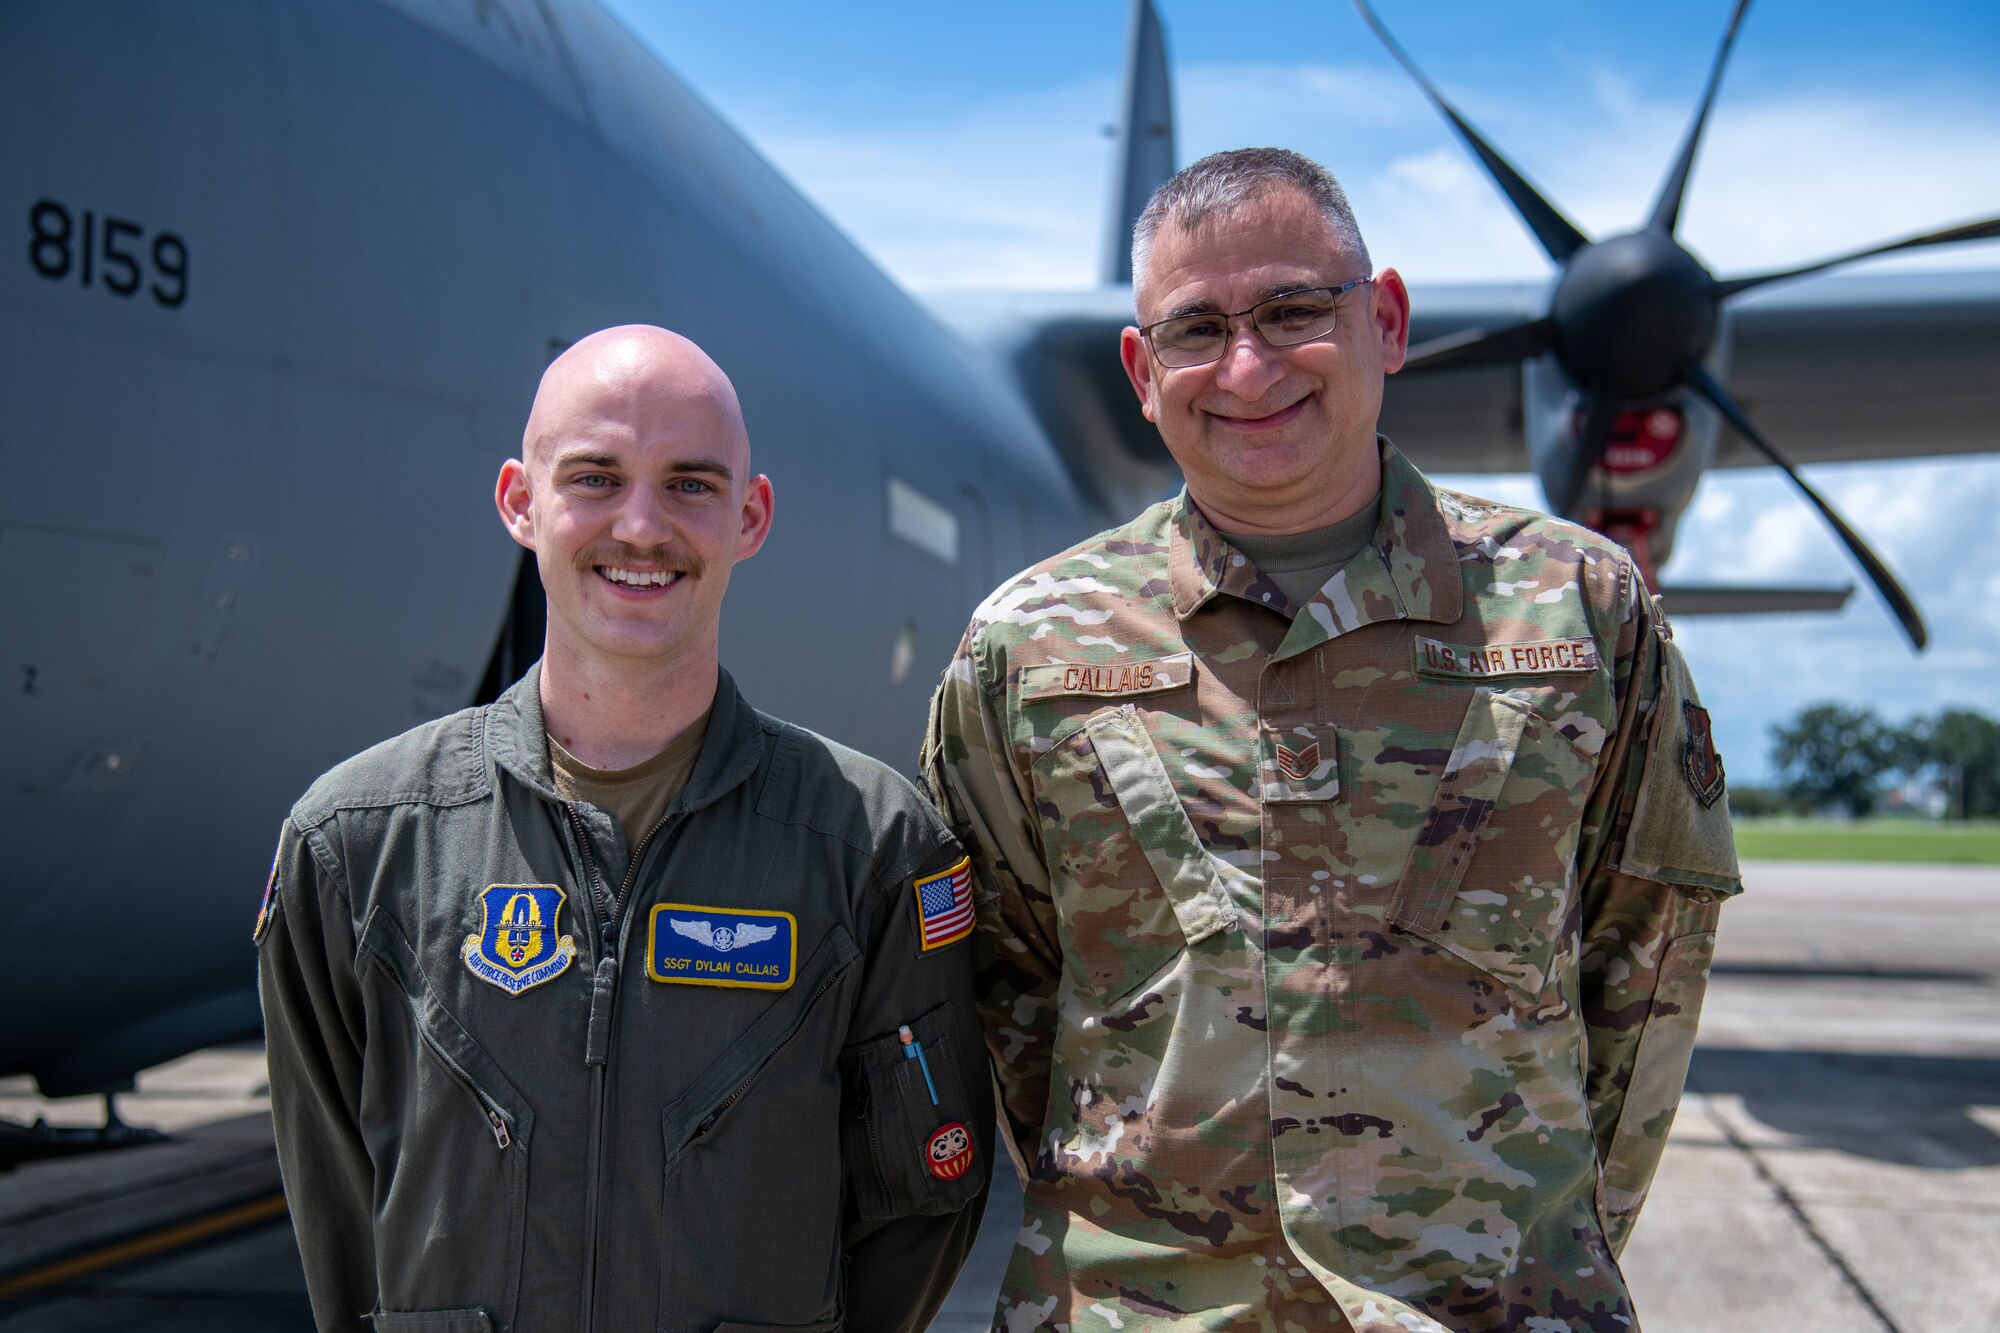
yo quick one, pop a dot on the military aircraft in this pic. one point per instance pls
(284, 279)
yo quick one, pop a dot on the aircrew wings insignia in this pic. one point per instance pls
(723, 938)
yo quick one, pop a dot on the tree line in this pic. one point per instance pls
(1835, 757)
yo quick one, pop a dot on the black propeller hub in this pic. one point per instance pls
(1630, 312)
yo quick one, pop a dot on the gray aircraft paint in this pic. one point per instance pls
(247, 535)
(245, 527)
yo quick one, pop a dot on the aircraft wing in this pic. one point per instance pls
(1869, 365)
(1840, 368)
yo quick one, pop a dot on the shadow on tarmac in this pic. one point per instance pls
(1913, 1110)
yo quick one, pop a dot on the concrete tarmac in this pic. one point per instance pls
(1835, 1165)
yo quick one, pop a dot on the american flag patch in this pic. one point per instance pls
(944, 905)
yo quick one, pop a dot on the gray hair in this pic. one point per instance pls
(1222, 182)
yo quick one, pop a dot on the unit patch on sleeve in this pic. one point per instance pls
(1699, 760)
(1478, 661)
(520, 941)
(267, 911)
(1109, 680)
(944, 905)
(722, 946)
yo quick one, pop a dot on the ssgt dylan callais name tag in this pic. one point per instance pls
(722, 946)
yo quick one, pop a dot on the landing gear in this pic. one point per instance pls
(29, 1143)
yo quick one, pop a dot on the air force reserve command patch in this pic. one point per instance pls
(722, 946)
(944, 905)
(520, 941)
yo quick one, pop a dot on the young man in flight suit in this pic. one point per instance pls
(1348, 852)
(617, 1004)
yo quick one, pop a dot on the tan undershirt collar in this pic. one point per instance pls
(637, 797)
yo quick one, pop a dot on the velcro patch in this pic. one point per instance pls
(1107, 680)
(1699, 760)
(1481, 661)
(520, 943)
(948, 1151)
(944, 905)
(722, 946)
(1299, 762)
(267, 911)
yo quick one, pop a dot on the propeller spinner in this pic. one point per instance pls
(1632, 319)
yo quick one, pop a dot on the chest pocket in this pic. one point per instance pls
(1133, 884)
(1491, 876)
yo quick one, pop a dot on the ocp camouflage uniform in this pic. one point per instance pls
(1337, 958)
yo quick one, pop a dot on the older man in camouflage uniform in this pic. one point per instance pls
(1348, 851)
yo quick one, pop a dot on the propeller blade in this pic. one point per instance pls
(1558, 235)
(1564, 482)
(1667, 208)
(1985, 230)
(1472, 347)
(1696, 377)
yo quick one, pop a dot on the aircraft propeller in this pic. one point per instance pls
(1632, 317)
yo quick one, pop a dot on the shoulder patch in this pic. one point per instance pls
(1699, 760)
(722, 946)
(267, 911)
(944, 905)
(520, 941)
(1107, 679)
(1528, 657)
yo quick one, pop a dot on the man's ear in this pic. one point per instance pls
(1391, 311)
(510, 497)
(758, 507)
(1139, 368)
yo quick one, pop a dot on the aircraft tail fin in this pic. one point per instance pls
(1145, 140)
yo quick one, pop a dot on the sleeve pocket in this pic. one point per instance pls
(1680, 831)
(906, 1153)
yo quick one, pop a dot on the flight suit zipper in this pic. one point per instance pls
(496, 1119)
(597, 1042)
(721, 1108)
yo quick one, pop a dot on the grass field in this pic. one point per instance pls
(1904, 840)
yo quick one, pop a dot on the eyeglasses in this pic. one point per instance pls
(1281, 321)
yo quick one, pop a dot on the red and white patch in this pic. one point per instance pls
(949, 1152)
(1699, 760)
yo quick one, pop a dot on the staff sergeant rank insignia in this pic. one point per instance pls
(722, 946)
(519, 944)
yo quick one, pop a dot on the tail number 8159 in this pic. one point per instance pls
(108, 252)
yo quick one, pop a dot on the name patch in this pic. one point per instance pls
(1109, 680)
(722, 946)
(1478, 661)
(520, 941)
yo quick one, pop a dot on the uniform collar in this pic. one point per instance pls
(1409, 570)
(517, 738)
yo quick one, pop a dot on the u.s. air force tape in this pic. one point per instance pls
(1479, 661)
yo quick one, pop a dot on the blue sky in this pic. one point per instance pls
(963, 146)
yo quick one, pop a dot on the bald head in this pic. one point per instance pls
(634, 491)
(644, 376)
